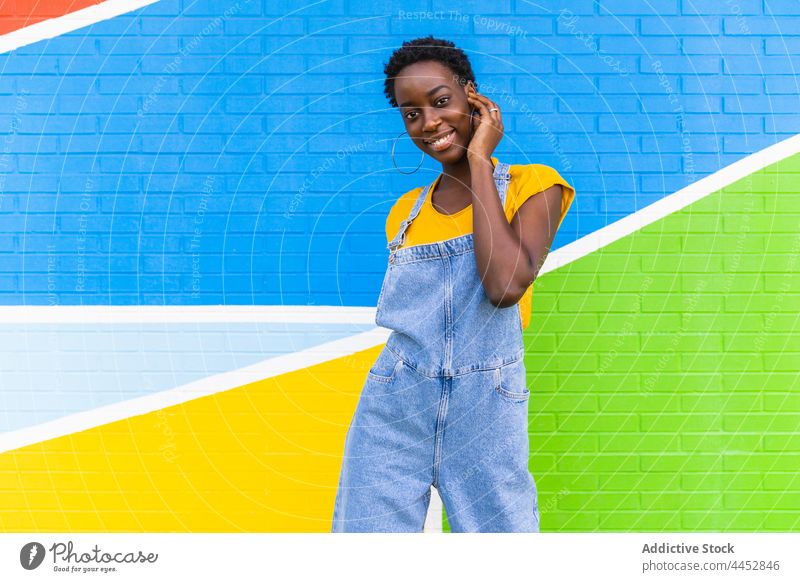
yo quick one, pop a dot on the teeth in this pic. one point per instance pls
(441, 140)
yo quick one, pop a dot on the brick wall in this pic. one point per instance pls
(179, 155)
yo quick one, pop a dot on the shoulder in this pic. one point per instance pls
(531, 179)
(400, 211)
(529, 176)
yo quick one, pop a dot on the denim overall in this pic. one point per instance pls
(445, 403)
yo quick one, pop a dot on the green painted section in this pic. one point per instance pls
(665, 371)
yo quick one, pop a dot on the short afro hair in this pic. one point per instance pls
(427, 48)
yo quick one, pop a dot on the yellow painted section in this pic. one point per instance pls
(264, 457)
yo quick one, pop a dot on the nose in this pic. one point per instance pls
(431, 119)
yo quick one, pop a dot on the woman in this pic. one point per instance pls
(446, 403)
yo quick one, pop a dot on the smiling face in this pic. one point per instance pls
(435, 110)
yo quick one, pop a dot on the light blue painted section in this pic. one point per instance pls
(49, 371)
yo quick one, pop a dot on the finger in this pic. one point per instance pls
(492, 105)
(481, 107)
(482, 97)
(478, 104)
(492, 116)
(489, 104)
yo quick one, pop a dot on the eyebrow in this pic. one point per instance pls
(431, 92)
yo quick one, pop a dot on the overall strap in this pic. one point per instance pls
(397, 241)
(501, 178)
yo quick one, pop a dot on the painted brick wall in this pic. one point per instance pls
(664, 371)
(182, 155)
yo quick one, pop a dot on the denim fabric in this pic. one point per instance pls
(445, 403)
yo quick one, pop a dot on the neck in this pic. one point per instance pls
(456, 177)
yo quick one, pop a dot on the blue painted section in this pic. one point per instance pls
(182, 154)
(50, 371)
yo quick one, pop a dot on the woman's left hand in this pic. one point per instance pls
(487, 127)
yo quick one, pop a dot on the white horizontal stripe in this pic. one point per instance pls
(73, 21)
(185, 314)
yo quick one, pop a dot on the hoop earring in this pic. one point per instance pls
(394, 142)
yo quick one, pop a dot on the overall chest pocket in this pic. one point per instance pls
(413, 295)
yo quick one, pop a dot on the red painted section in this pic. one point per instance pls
(16, 14)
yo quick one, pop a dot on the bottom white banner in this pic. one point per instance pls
(640, 556)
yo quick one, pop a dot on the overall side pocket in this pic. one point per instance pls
(510, 381)
(385, 367)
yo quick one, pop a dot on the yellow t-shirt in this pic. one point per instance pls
(431, 226)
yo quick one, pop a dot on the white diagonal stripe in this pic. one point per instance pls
(211, 385)
(669, 204)
(53, 27)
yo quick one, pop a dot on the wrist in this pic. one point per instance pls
(477, 160)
